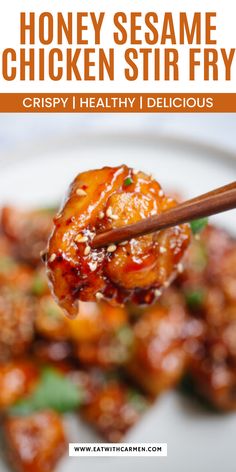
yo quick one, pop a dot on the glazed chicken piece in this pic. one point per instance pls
(204, 258)
(50, 321)
(162, 338)
(17, 322)
(35, 443)
(51, 352)
(211, 298)
(100, 200)
(101, 335)
(14, 274)
(27, 231)
(17, 379)
(213, 368)
(114, 408)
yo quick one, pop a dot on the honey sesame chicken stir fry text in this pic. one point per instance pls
(136, 270)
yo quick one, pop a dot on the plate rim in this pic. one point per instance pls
(24, 153)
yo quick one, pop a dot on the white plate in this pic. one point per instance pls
(197, 440)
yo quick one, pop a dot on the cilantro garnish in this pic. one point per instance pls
(198, 225)
(54, 391)
(128, 181)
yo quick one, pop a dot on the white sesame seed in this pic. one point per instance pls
(81, 239)
(123, 243)
(81, 193)
(52, 257)
(99, 296)
(109, 212)
(153, 212)
(161, 193)
(111, 248)
(101, 215)
(162, 249)
(157, 293)
(87, 250)
(114, 217)
(93, 266)
(180, 268)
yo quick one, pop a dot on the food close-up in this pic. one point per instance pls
(146, 316)
(134, 271)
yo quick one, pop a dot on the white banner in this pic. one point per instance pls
(76, 54)
(118, 449)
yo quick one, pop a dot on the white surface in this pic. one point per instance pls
(197, 440)
(21, 133)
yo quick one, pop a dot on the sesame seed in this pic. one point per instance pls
(93, 266)
(52, 257)
(123, 243)
(161, 193)
(109, 212)
(101, 215)
(99, 296)
(157, 293)
(87, 250)
(114, 217)
(162, 249)
(111, 248)
(180, 268)
(153, 212)
(81, 193)
(81, 239)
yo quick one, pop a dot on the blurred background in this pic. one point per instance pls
(27, 130)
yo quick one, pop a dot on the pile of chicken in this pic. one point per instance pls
(111, 362)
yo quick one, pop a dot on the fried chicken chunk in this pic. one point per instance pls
(17, 378)
(101, 335)
(27, 231)
(210, 291)
(35, 443)
(17, 323)
(114, 408)
(161, 340)
(100, 200)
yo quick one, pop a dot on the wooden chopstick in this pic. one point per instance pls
(217, 201)
(216, 191)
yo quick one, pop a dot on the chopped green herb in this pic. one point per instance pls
(125, 335)
(137, 400)
(198, 225)
(51, 308)
(54, 391)
(128, 182)
(39, 285)
(194, 298)
(199, 257)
